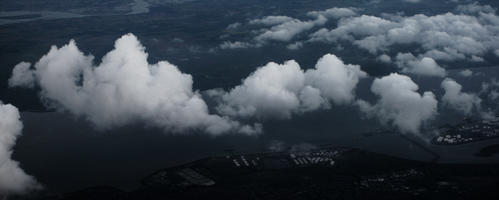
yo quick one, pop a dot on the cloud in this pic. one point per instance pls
(236, 45)
(384, 58)
(424, 66)
(400, 104)
(458, 100)
(285, 29)
(271, 91)
(466, 73)
(123, 89)
(364, 25)
(233, 26)
(446, 36)
(490, 89)
(447, 54)
(411, 1)
(477, 59)
(288, 30)
(22, 76)
(475, 8)
(271, 20)
(277, 91)
(295, 46)
(12, 178)
(336, 80)
(494, 94)
(334, 12)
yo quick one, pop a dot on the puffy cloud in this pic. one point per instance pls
(494, 94)
(125, 88)
(279, 90)
(420, 66)
(236, 45)
(334, 12)
(295, 46)
(490, 89)
(441, 37)
(233, 26)
(22, 76)
(411, 1)
(456, 99)
(447, 54)
(477, 59)
(285, 29)
(349, 28)
(271, 20)
(384, 58)
(400, 104)
(466, 73)
(474, 8)
(334, 79)
(271, 91)
(12, 178)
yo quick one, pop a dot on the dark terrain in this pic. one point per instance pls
(355, 174)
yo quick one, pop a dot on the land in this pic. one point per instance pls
(322, 173)
(488, 151)
(467, 131)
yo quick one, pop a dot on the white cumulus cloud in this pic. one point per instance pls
(12, 178)
(124, 88)
(424, 66)
(271, 20)
(336, 80)
(236, 45)
(334, 12)
(284, 28)
(288, 30)
(22, 76)
(474, 8)
(455, 98)
(449, 36)
(412, 1)
(384, 58)
(400, 104)
(466, 73)
(279, 90)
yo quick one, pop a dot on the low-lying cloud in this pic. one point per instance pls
(423, 66)
(286, 31)
(334, 13)
(13, 180)
(456, 99)
(400, 104)
(469, 34)
(279, 90)
(284, 28)
(491, 89)
(123, 89)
